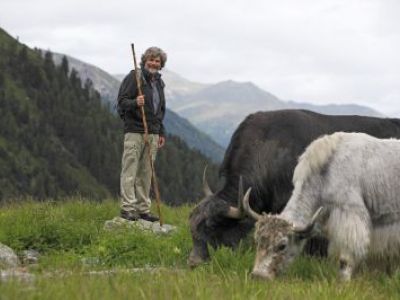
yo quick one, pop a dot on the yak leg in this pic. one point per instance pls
(349, 236)
(346, 267)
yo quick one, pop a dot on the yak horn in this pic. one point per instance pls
(206, 188)
(246, 207)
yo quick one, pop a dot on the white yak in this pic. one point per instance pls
(347, 188)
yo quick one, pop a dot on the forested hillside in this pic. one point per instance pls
(57, 139)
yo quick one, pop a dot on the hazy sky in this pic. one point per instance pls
(337, 51)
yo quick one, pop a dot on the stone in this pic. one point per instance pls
(8, 258)
(19, 274)
(154, 227)
(29, 257)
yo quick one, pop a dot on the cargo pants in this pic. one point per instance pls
(136, 172)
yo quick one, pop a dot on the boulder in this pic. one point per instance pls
(8, 258)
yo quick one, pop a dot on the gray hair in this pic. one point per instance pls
(154, 52)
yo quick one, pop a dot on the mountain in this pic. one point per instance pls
(176, 85)
(193, 137)
(218, 109)
(57, 138)
(108, 86)
(337, 109)
(103, 82)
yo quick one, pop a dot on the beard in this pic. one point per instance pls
(151, 70)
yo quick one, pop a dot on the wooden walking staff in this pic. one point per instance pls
(146, 139)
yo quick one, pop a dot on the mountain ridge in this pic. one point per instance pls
(217, 109)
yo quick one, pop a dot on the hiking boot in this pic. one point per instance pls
(129, 215)
(149, 217)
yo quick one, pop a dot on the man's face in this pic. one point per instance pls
(153, 64)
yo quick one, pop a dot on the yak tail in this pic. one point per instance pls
(316, 156)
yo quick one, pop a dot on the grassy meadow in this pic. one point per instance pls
(80, 260)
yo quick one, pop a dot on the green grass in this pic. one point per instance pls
(80, 260)
(70, 231)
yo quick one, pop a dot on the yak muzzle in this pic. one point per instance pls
(199, 253)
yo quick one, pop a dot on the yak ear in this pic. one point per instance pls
(206, 188)
(310, 229)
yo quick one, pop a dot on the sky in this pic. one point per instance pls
(325, 51)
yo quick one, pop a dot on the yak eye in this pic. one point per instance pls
(281, 247)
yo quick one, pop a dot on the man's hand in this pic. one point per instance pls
(161, 141)
(140, 100)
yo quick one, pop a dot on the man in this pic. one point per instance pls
(136, 168)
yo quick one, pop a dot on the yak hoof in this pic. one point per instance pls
(195, 261)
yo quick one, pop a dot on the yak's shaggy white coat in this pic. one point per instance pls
(356, 178)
